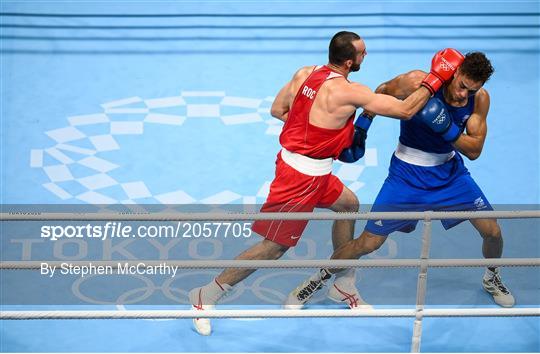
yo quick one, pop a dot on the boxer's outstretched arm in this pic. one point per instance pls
(362, 96)
(472, 143)
(443, 66)
(401, 86)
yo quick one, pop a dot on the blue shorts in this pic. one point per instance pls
(447, 187)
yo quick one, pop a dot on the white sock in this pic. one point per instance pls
(213, 291)
(347, 275)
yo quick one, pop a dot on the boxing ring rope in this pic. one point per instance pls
(177, 314)
(224, 216)
(423, 263)
(334, 263)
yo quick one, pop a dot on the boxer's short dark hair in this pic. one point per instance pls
(341, 47)
(477, 67)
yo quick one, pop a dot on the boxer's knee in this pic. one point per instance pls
(493, 233)
(490, 230)
(353, 204)
(347, 202)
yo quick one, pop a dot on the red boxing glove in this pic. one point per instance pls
(443, 66)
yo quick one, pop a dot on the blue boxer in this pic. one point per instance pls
(426, 172)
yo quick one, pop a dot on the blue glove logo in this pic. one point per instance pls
(441, 118)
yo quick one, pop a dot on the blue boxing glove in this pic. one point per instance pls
(358, 147)
(437, 118)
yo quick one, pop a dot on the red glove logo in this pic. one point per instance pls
(446, 65)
